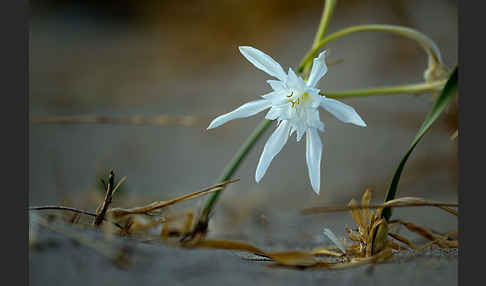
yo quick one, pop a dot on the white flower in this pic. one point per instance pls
(293, 102)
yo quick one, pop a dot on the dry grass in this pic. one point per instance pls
(371, 240)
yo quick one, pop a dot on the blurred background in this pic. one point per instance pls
(181, 58)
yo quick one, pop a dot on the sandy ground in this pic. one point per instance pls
(62, 261)
(82, 66)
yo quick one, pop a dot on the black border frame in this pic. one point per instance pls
(15, 26)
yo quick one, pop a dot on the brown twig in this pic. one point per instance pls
(117, 212)
(347, 208)
(103, 208)
(128, 120)
(63, 208)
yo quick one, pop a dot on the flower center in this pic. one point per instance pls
(299, 100)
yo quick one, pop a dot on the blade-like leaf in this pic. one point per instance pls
(448, 93)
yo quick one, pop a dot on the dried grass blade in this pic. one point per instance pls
(380, 256)
(188, 222)
(376, 240)
(403, 240)
(316, 210)
(229, 245)
(353, 235)
(164, 232)
(422, 231)
(451, 244)
(142, 224)
(356, 214)
(119, 183)
(395, 245)
(293, 258)
(63, 208)
(325, 251)
(449, 210)
(366, 212)
(118, 212)
(286, 258)
(127, 120)
(414, 201)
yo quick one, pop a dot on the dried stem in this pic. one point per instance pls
(347, 208)
(129, 120)
(62, 208)
(103, 208)
(117, 212)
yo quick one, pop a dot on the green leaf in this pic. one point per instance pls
(448, 93)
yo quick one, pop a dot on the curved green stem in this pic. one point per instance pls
(329, 6)
(325, 18)
(233, 165)
(417, 88)
(427, 44)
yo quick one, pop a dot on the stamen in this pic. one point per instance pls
(293, 102)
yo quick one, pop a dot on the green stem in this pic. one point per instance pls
(417, 88)
(429, 46)
(329, 6)
(236, 161)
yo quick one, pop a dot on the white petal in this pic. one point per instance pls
(276, 97)
(295, 81)
(273, 146)
(263, 62)
(276, 85)
(313, 156)
(292, 130)
(279, 111)
(300, 134)
(334, 239)
(275, 112)
(246, 110)
(342, 111)
(271, 95)
(319, 69)
(313, 120)
(316, 97)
